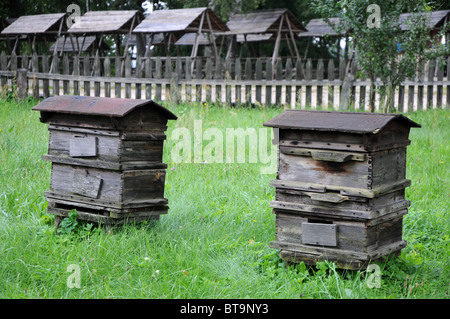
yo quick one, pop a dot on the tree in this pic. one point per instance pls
(384, 49)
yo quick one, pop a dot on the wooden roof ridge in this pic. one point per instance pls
(262, 22)
(106, 21)
(350, 122)
(35, 24)
(65, 45)
(319, 27)
(436, 18)
(179, 20)
(96, 106)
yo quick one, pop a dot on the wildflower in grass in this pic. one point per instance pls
(172, 168)
(251, 242)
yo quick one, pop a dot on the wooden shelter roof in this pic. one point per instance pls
(320, 28)
(111, 21)
(35, 24)
(179, 20)
(434, 19)
(189, 39)
(262, 22)
(88, 44)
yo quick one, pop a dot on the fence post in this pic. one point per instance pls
(35, 81)
(45, 82)
(299, 76)
(347, 87)
(248, 77)
(55, 70)
(3, 67)
(440, 86)
(238, 78)
(308, 70)
(86, 73)
(330, 86)
(208, 76)
(66, 87)
(21, 83)
(320, 71)
(258, 77)
(269, 77)
(76, 74)
(148, 74)
(448, 81)
(288, 77)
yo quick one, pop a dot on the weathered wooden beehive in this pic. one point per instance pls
(340, 187)
(106, 156)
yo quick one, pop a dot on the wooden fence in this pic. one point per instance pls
(290, 82)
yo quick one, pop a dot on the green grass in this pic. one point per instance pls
(214, 242)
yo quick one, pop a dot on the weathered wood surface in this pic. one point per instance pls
(319, 234)
(117, 187)
(82, 146)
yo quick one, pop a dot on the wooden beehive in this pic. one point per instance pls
(340, 187)
(106, 156)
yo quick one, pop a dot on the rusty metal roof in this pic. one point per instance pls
(349, 122)
(97, 106)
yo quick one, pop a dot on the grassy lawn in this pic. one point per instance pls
(214, 242)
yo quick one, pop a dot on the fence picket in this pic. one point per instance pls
(107, 74)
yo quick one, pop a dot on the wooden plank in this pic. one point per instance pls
(238, 78)
(45, 82)
(410, 98)
(55, 70)
(319, 234)
(430, 76)
(208, 77)
(3, 67)
(439, 88)
(288, 76)
(228, 77)
(83, 146)
(308, 73)
(35, 83)
(148, 75)
(331, 87)
(278, 77)
(66, 70)
(299, 74)
(139, 73)
(158, 75)
(118, 75)
(107, 74)
(97, 73)
(319, 90)
(127, 76)
(248, 77)
(258, 77)
(448, 82)
(87, 72)
(199, 76)
(86, 185)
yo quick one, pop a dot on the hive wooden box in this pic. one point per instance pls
(340, 187)
(106, 158)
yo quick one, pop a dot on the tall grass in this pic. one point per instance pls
(214, 242)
